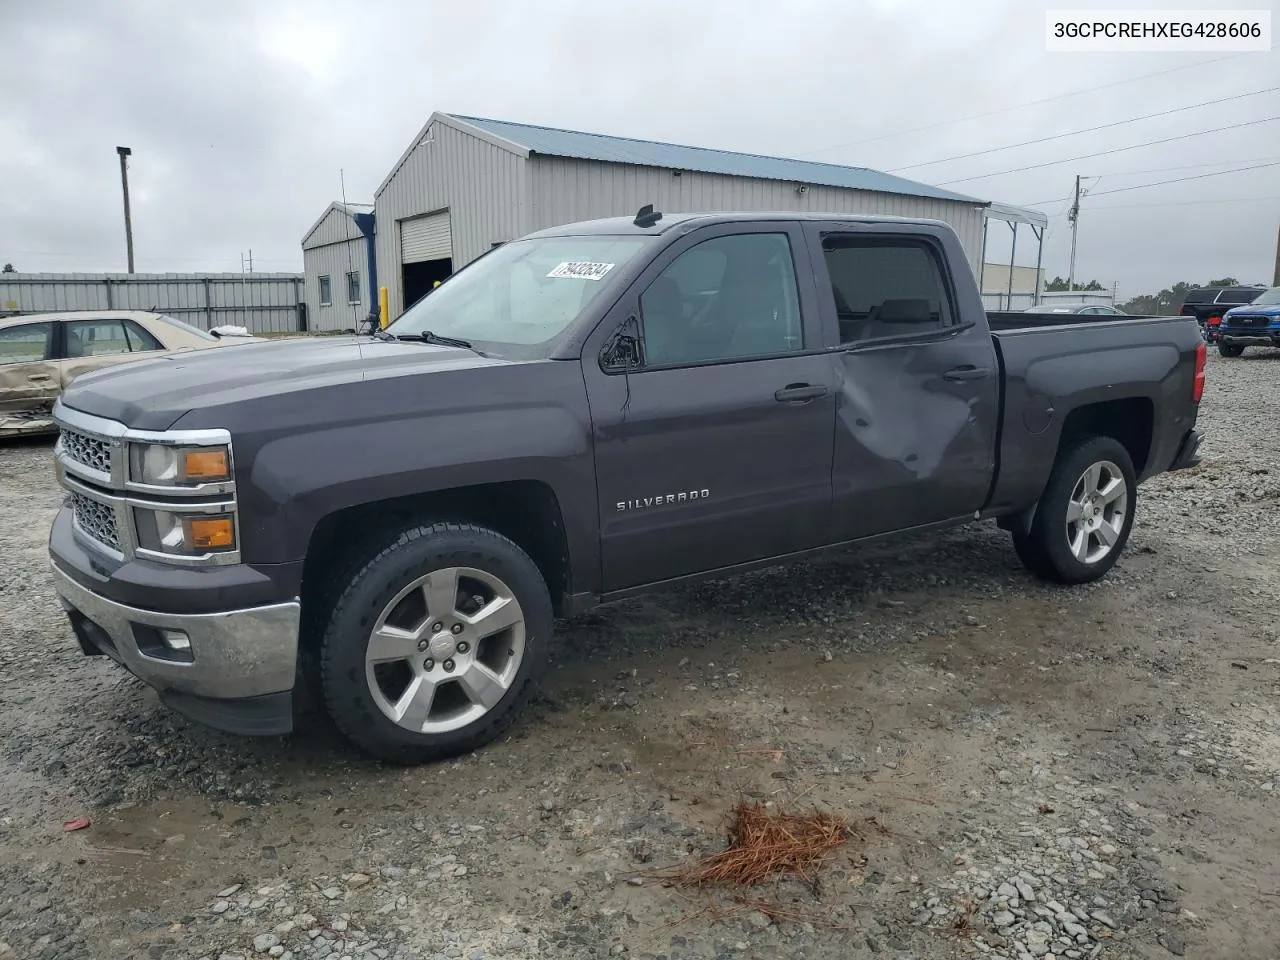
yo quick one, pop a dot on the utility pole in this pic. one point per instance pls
(1275, 281)
(124, 183)
(1073, 216)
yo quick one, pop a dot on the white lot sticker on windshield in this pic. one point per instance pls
(581, 270)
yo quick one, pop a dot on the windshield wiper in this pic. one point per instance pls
(426, 336)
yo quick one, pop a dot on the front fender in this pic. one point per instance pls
(298, 479)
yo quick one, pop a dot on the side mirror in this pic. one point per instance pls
(622, 351)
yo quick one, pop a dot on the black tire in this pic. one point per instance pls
(360, 598)
(1046, 549)
(1230, 349)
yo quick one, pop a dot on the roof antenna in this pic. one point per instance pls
(647, 216)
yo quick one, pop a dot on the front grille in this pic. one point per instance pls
(90, 451)
(96, 520)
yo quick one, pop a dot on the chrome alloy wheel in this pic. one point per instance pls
(445, 650)
(1096, 512)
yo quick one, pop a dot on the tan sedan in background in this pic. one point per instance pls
(41, 353)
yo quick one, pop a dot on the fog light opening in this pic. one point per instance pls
(176, 640)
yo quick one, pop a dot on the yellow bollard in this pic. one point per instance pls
(383, 310)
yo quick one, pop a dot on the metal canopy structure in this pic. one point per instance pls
(1014, 217)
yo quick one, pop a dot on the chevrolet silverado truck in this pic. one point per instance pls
(1254, 325)
(589, 412)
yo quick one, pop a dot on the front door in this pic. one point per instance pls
(28, 377)
(918, 400)
(716, 449)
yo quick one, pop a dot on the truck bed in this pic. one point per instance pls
(1049, 365)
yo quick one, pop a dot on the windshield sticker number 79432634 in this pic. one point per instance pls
(581, 270)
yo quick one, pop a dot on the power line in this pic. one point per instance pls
(1185, 166)
(1105, 153)
(1161, 183)
(1174, 203)
(1073, 133)
(1016, 106)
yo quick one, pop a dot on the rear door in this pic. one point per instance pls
(716, 448)
(28, 375)
(92, 344)
(917, 406)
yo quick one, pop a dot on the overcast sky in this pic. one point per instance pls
(241, 114)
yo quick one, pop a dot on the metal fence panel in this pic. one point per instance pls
(263, 302)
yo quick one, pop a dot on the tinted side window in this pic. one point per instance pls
(1203, 295)
(1239, 295)
(723, 299)
(95, 338)
(25, 343)
(885, 288)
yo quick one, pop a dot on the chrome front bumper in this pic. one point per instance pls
(233, 655)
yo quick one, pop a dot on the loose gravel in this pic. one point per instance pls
(1027, 771)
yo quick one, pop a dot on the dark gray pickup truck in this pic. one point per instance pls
(585, 413)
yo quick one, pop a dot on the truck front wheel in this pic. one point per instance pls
(1230, 349)
(432, 645)
(1084, 516)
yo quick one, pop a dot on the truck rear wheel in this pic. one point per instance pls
(433, 645)
(1230, 349)
(1084, 516)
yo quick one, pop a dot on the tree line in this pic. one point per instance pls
(1169, 300)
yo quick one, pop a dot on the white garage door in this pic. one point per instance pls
(426, 238)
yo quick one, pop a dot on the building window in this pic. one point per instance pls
(326, 294)
(353, 287)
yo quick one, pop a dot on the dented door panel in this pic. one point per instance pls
(913, 447)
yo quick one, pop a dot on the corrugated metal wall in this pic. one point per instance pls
(563, 191)
(481, 185)
(336, 227)
(493, 195)
(336, 260)
(263, 302)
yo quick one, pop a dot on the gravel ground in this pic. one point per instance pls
(1027, 771)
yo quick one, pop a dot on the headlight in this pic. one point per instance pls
(185, 534)
(164, 465)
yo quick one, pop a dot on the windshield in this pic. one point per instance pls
(523, 293)
(1268, 299)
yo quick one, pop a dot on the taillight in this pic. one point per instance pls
(1197, 383)
(1215, 320)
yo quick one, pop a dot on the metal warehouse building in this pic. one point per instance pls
(466, 184)
(339, 288)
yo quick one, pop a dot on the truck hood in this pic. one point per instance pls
(1249, 310)
(153, 394)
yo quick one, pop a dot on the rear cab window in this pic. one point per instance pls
(1239, 295)
(1204, 295)
(886, 287)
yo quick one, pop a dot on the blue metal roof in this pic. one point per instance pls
(594, 146)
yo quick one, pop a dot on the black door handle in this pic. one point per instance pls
(801, 392)
(967, 372)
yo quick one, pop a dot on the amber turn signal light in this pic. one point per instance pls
(210, 533)
(206, 464)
